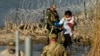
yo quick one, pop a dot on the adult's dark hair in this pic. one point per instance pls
(68, 13)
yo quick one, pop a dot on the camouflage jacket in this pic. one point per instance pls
(54, 50)
(52, 16)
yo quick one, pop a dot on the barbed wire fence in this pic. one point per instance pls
(83, 10)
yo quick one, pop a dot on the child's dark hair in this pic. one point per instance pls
(68, 13)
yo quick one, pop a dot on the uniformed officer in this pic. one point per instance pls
(10, 51)
(52, 18)
(54, 48)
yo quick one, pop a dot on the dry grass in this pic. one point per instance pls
(95, 50)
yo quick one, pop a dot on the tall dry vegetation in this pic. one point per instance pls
(95, 50)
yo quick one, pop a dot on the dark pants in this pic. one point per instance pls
(67, 41)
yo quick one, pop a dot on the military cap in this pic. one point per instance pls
(53, 6)
(52, 36)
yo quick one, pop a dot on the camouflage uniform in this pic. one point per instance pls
(52, 16)
(54, 49)
(10, 51)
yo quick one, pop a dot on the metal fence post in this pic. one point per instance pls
(17, 43)
(28, 46)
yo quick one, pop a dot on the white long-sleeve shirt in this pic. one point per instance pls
(67, 29)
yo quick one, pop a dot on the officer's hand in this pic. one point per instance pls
(62, 28)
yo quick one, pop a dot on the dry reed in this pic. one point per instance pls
(95, 50)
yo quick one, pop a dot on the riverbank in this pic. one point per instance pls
(5, 37)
